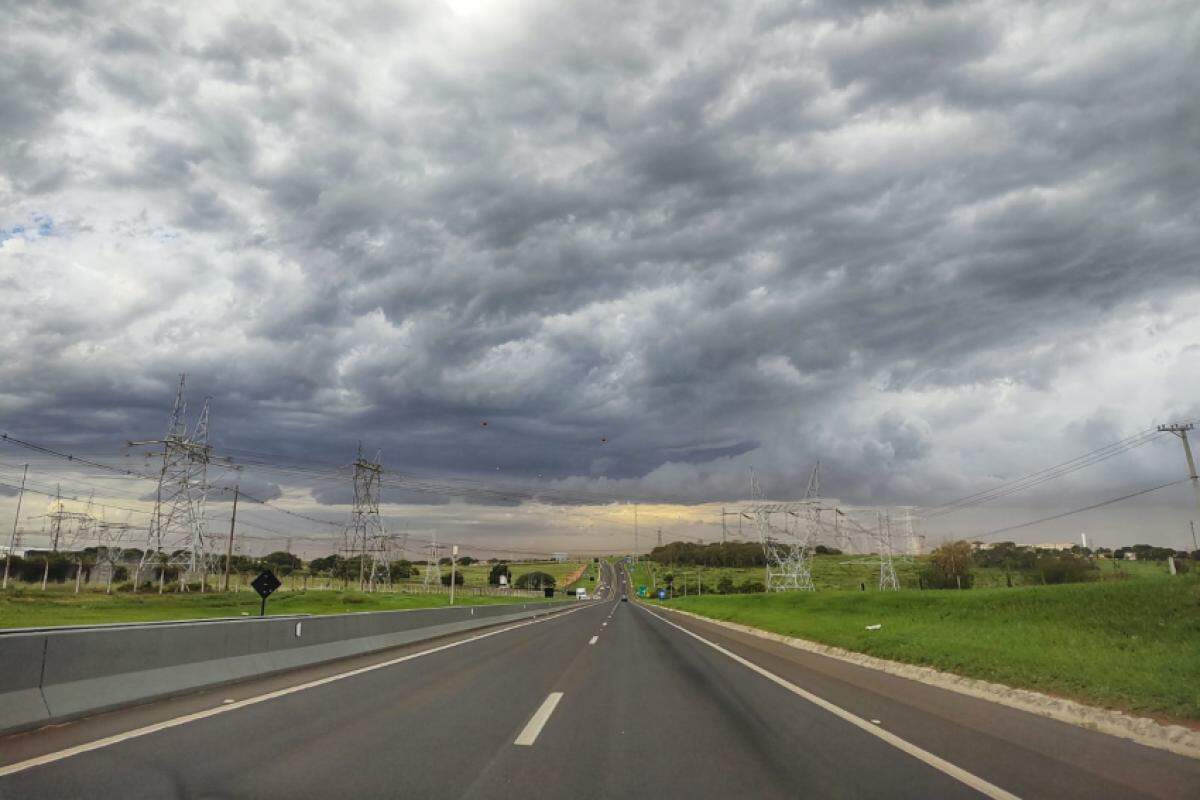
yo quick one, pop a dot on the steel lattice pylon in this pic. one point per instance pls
(366, 534)
(433, 570)
(872, 531)
(177, 535)
(788, 550)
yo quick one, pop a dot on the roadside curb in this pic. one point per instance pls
(1176, 739)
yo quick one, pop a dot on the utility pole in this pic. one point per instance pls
(229, 546)
(660, 537)
(1180, 430)
(635, 534)
(453, 555)
(12, 542)
(1195, 547)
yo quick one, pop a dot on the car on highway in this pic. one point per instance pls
(624, 598)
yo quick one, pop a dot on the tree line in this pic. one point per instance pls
(719, 554)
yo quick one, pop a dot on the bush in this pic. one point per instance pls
(752, 587)
(458, 579)
(725, 585)
(1065, 569)
(934, 578)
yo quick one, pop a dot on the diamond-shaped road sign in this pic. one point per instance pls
(265, 584)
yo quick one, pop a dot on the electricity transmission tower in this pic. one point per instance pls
(109, 547)
(887, 569)
(433, 570)
(366, 526)
(788, 550)
(869, 530)
(61, 521)
(914, 539)
(177, 535)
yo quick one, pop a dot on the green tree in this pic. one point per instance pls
(282, 563)
(326, 565)
(950, 566)
(534, 580)
(498, 570)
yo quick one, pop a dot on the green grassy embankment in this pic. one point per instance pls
(1132, 644)
(25, 607)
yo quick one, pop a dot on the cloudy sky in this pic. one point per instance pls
(934, 245)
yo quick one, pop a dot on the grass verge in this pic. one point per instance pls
(1130, 645)
(22, 608)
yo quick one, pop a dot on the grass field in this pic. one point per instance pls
(25, 607)
(1131, 644)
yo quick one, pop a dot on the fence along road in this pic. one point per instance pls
(533, 709)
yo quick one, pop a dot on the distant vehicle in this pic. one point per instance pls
(624, 598)
(581, 594)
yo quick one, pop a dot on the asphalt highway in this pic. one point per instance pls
(608, 700)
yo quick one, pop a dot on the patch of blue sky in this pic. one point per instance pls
(43, 225)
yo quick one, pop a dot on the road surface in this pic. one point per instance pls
(610, 699)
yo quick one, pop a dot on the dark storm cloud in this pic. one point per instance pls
(713, 235)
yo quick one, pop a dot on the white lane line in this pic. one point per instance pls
(958, 773)
(593, 640)
(50, 758)
(538, 720)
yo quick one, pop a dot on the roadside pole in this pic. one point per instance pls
(12, 542)
(453, 553)
(229, 546)
(1181, 430)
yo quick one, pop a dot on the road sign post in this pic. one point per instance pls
(265, 584)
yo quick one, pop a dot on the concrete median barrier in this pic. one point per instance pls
(51, 676)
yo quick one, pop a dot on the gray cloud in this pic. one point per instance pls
(716, 235)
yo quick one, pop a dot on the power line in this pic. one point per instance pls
(1081, 510)
(1047, 474)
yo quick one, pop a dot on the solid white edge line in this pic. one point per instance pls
(59, 755)
(593, 640)
(958, 773)
(529, 733)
